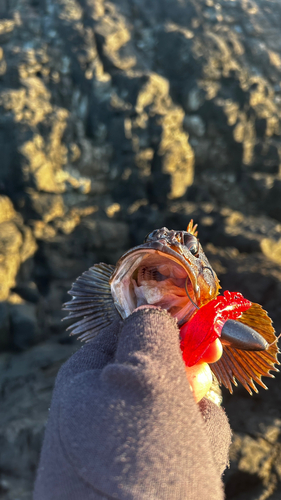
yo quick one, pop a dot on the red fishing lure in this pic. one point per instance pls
(207, 323)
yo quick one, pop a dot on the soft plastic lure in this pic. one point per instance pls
(248, 338)
(207, 323)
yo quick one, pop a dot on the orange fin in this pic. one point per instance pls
(191, 228)
(248, 367)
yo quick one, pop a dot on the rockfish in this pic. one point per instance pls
(171, 271)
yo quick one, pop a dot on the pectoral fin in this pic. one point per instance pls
(91, 299)
(247, 366)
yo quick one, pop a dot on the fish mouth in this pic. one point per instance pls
(159, 277)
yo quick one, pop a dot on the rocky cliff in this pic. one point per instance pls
(117, 118)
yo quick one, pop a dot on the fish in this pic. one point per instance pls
(170, 270)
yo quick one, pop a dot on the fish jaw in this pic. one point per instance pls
(156, 274)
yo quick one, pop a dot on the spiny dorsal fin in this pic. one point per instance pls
(248, 367)
(91, 299)
(192, 228)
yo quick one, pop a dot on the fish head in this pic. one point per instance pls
(169, 270)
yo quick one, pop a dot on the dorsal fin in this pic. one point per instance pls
(91, 299)
(248, 367)
(192, 228)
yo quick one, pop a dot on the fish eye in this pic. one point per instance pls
(194, 249)
(192, 244)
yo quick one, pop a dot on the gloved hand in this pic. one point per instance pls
(124, 424)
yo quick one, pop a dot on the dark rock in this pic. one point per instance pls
(24, 325)
(4, 325)
(28, 292)
(272, 201)
(194, 125)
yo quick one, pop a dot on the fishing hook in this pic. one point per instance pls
(185, 286)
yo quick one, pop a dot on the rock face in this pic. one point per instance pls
(116, 118)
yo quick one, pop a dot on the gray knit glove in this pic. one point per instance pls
(124, 425)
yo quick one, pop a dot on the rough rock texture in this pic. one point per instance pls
(116, 118)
